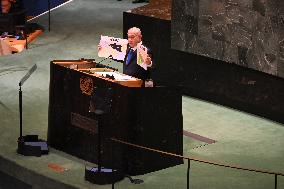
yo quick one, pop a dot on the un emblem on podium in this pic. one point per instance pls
(86, 85)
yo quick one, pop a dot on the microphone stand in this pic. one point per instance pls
(106, 66)
(29, 145)
(104, 59)
(101, 175)
(21, 114)
(98, 65)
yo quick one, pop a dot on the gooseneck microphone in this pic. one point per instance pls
(104, 59)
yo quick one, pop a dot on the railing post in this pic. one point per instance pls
(275, 182)
(111, 151)
(188, 167)
(48, 4)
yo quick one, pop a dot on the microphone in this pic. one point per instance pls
(104, 59)
(98, 65)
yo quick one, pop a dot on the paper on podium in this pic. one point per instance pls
(142, 55)
(117, 76)
(114, 47)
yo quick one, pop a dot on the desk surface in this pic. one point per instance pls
(19, 45)
(160, 9)
(119, 78)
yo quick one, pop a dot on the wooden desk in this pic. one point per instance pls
(19, 45)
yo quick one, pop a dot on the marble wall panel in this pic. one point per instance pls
(249, 33)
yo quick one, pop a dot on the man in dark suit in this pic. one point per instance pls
(12, 15)
(5, 6)
(130, 66)
(10, 6)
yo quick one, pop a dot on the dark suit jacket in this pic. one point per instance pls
(133, 69)
(15, 17)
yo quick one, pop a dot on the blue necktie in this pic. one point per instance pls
(129, 56)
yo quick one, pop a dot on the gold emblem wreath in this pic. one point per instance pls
(86, 85)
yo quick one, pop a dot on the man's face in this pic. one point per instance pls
(133, 38)
(6, 5)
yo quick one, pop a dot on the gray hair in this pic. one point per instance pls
(135, 30)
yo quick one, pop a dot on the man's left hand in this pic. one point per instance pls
(148, 60)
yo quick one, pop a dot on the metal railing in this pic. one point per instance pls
(200, 161)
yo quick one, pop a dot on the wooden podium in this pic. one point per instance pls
(150, 117)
